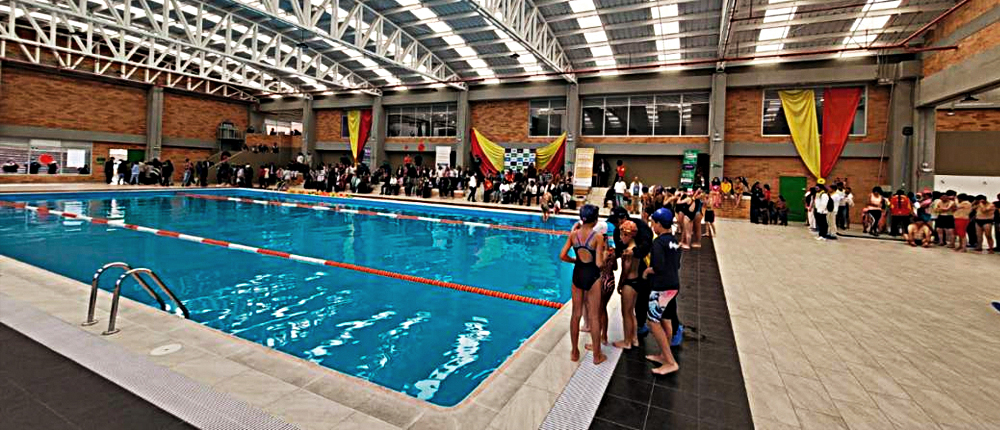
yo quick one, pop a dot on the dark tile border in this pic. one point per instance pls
(708, 392)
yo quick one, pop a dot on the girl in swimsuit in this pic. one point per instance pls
(984, 222)
(627, 287)
(699, 203)
(607, 281)
(686, 219)
(589, 249)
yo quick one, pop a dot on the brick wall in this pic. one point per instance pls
(503, 121)
(329, 126)
(32, 98)
(860, 174)
(980, 41)
(193, 117)
(745, 106)
(968, 120)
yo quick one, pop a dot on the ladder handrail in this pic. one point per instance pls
(92, 307)
(118, 293)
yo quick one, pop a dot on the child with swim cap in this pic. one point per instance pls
(628, 285)
(589, 248)
(664, 282)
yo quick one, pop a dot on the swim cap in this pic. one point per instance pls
(601, 228)
(664, 217)
(588, 213)
(628, 227)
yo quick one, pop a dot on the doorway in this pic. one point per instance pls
(793, 188)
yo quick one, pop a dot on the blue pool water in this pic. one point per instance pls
(429, 342)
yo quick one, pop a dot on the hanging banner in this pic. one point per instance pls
(359, 124)
(442, 155)
(839, 106)
(552, 157)
(800, 112)
(583, 172)
(689, 168)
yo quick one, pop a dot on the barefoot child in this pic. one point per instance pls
(607, 282)
(628, 285)
(588, 245)
(963, 209)
(664, 282)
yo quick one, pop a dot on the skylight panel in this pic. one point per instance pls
(589, 22)
(595, 37)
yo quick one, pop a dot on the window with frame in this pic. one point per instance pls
(646, 115)
(40, 156)
(436, 120)
(345, 129)
(546, 117)
(281, 127)
(774, 123)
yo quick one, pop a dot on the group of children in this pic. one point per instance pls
(649, 282)
(957, 221)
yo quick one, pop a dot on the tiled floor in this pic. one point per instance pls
(708, 391)
(40, 389)
(859, 333)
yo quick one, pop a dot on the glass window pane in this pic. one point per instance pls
(14, 157)
(452, 120)
(860, 120)
(439, 121)
(593, 102)
(641, 119)
(774, 115)
(694, 119)
(616, 101)
(616, 120)
(557, 103)
(593, 121)
(555, 122)
(423, 121)
(538, 113)
(668, 118)
(408, 122)
(345, 130)
(539, 104)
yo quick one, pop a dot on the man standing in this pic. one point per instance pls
(620, 192)
(109, 170)
(837, 195)
(472, 188)
(643, 244)
(635, 191)
(821, 207)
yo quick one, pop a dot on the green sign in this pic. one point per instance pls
(689, 167)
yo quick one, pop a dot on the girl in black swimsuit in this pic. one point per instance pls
(589, 248)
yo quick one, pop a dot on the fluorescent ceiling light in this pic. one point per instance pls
(589, 22)
(601, 51)
(595, 37)
(454, 40)
(578, 6)
(423, 13)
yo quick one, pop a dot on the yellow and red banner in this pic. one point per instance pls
(359, 125)
(839, 105)
(549, 158)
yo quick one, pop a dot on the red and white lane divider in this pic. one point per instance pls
(42, 210)
(333, 208)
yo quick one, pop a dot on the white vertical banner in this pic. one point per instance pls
(583, 168)
(442, 155)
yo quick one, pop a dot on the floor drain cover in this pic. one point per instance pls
(166, 349)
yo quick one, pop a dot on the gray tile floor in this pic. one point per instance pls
(858, 334)
(40, 389)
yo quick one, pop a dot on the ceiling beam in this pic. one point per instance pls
(521, 21)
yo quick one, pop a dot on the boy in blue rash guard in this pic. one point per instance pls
(664, 282)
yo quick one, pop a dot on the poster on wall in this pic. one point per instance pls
(442, 155)
(583, 171)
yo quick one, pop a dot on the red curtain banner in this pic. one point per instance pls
(486, 165)
(839, 106)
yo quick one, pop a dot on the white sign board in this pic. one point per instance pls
(76, 158)
(583, 168)
(442, 155)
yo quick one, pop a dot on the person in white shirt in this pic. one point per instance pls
(620, 192)
(831, 218)
(473, 183)
(504, 192)
(635, 192)
(821, 208)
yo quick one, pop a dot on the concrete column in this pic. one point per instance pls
(154, 122)
(573, 115)
(377, 135)
(901, 115)
(922, 174)
(463, 129)
(309, 128)
(717, 126)
(255, 119)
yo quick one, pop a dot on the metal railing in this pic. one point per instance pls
(134, 274)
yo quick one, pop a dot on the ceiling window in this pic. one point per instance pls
(546, 117)
(773, 122)
(646, 115)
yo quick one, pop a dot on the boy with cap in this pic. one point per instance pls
(664, 284)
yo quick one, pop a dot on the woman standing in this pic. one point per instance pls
(874, 211)
(589, 249)
(985, 211)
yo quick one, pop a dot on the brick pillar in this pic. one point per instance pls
(463, 129)
(901, 113)
(717, 127)
(154, 122)
(309, 129)
(923, 148)
(377, 134)
(572, 124)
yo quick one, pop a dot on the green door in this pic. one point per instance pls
(793, 188)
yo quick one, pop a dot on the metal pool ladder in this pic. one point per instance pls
(134, 273)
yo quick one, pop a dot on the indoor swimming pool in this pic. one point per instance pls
(416, 337)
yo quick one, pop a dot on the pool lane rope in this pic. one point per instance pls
(333, 208)
(42, 210)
